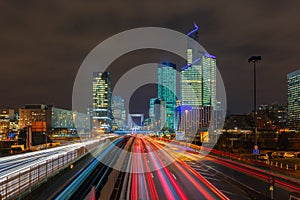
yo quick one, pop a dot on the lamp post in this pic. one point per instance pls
(254, 59)
(186, 123)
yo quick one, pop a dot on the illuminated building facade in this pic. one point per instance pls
(102, 114)
(194, 121)
(135, 124)
(166, 76)
(151, 110)
(159, 115)
(198, 77)
(8, 123)
(197, 91)
(293, 82)
(54, 119)
(34, 113)
(119, 112)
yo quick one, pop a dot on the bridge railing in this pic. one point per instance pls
(23, 182)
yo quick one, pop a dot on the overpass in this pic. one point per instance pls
(134, 132)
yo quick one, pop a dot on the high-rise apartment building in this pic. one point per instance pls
(102, 114)
(166, 76)
(293, 83)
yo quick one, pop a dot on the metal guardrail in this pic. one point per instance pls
(23, 182)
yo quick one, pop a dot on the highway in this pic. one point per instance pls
(17, 163)
(236, 180)
(148, 176)
(95, 174)
(139, 167)
(178, 180)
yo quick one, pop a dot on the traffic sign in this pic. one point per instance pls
(255, 151)
(271, 180)
(271, 188)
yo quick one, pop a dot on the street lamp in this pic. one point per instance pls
(254, 59)
(186, 123)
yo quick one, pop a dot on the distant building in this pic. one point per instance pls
(159, 115)
(102, 113)
(270, 117)
(52, 119)
(135, 124)
(193, 121)
(119, 112)
(8, 123)
(34, 113)
(166, 76)
(293, 83)
(147, 124)
(151, 110)
(239, 122)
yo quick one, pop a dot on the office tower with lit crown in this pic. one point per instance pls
(102, 115)
(197, 92)
(293, 82)
(166, 76)
(119, 112)
(198, 77)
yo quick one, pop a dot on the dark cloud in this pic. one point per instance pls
(42, 44)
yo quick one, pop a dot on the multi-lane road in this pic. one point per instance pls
(138, 167)
(147, 174)
(17, 163)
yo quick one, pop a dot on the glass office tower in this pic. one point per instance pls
(119, 112)
(293, 82)
(166, 76)
(198, 77)
(102, 115)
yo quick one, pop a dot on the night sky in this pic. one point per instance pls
(43, 43)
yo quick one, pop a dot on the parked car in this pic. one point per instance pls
(263, 156)
(298, 155)
(276, 154)
(288, 155)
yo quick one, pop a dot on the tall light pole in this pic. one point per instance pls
(185, 131)
(254, 59)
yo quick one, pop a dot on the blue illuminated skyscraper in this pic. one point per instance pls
(166, 76)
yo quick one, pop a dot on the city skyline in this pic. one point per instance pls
(149, 100)
(30, 38)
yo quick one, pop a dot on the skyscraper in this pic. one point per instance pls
(102, 115)
(197, 91)
(198, 77)
(119, 112)
(209, 80)
(151, 110)
(159, 114)
(293, 82)
(166, 76)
